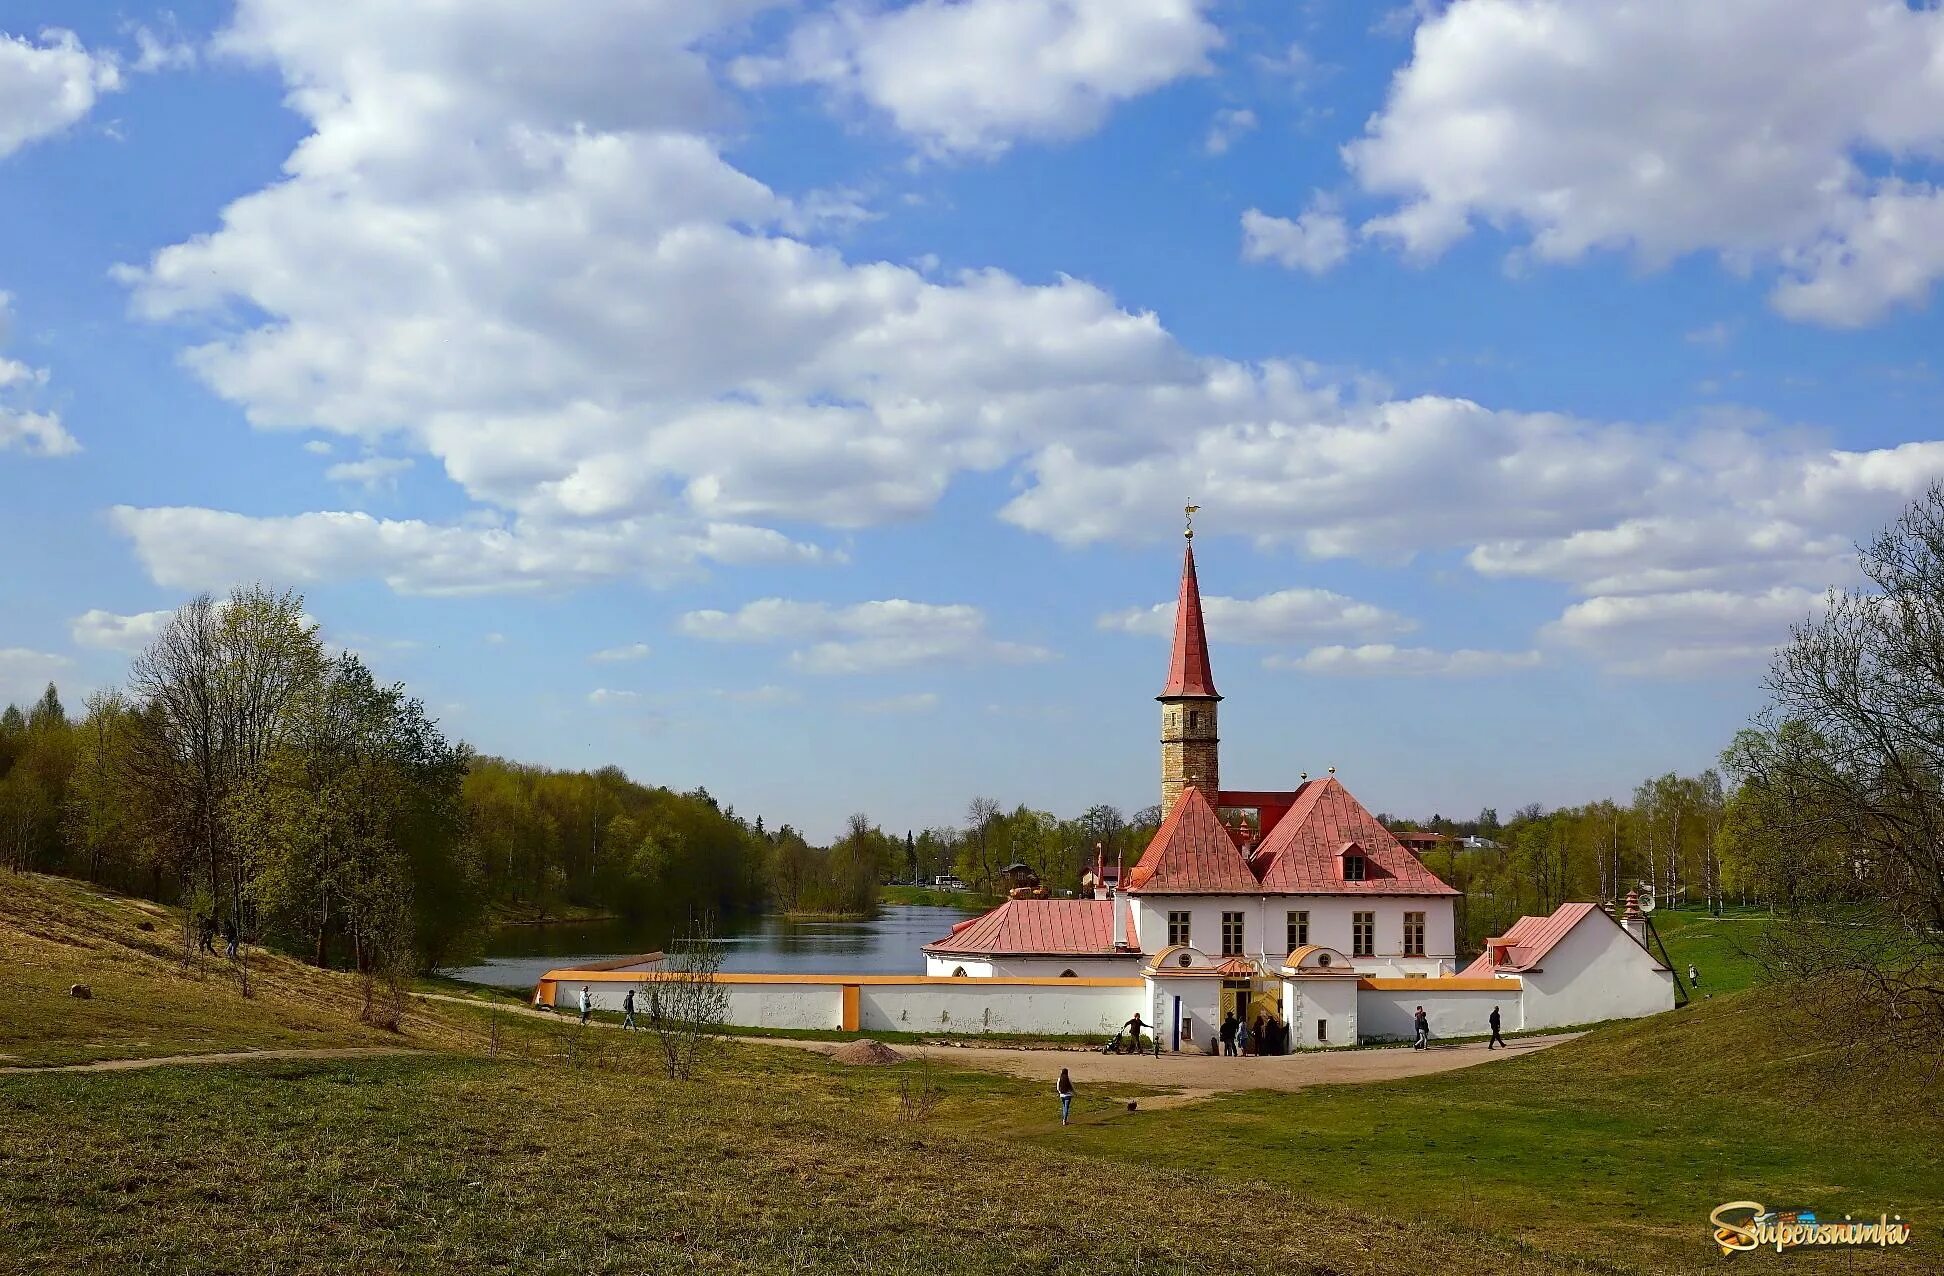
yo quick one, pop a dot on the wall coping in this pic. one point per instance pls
(590, 976)
(1450, 983)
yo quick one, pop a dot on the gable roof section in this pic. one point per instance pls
(1192, 854)
(1302, 854)
(1038, 927)
(1531, 938)
(1188, 671)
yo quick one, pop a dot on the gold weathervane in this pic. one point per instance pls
(1190, 511)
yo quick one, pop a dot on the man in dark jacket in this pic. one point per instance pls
(1496, 1039)
(1422, 1023)
(1228, 1033)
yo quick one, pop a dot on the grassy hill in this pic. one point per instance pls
(512, 1143)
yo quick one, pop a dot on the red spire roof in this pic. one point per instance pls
(1192, 854)
(1188, 673)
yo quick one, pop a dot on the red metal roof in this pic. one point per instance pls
(1188, 672)
(1303, 854)
(1192, 854)
(1531, 938)
(1038, 927)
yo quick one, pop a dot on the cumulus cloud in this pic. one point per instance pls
(1684, 634)
(608, 696)
(210, 549)
(1229, 124)
(1315, 242)
(22, 428)
(616, 655)
(106, 629)
(973, 76)
(24, 673)
(48, 84)
(370, 473)
(1384, 658)
(1288, 615)
(1757, 130)
(865, 637)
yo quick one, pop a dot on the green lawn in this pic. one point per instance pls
(1721, 947)
(1618, 1144)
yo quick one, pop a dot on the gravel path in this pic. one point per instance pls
(232, 1056)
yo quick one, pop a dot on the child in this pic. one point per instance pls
(1065, 1090)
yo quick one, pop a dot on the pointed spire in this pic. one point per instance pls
(1188, 673)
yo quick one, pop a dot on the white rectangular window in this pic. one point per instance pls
(1178, 929)
(1231, 934)
(1363, 934)
(1414, 934)
(1298, 931)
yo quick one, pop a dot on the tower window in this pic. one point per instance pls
(1194, 719)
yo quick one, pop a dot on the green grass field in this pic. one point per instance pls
(512, 1143)
(1721, 948)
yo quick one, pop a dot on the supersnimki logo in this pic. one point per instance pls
(1745, 1225)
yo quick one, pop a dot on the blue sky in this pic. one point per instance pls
(799, 399)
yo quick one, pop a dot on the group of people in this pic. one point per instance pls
(206, 936)
(1266, 1035)
(627, 1007)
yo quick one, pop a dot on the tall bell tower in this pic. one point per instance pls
(1190, 752)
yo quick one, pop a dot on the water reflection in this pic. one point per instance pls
(888, 945)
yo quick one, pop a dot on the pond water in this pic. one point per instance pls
(889, 944)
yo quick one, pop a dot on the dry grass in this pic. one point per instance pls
(147, 1002)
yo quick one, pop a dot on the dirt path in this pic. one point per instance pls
(233, 1056)
(1196, 1077)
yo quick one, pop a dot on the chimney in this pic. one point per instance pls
(1634, 920)
(1119, 897)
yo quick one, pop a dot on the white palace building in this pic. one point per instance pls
(1295, 906)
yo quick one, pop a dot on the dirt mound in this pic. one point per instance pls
(866, 1051)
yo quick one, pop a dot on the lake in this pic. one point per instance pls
(516, 956)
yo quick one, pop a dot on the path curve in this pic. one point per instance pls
(230, 1056)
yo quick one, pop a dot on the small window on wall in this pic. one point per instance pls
(1194, 719)
(1298, 931)
(1363, 934)
(1353, 868)
(1067, 974)
(1231, 934)
(1414, 934)
(1322, 1029)
(958, 972)
(1178, 930)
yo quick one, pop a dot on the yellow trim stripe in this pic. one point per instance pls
(571, 975)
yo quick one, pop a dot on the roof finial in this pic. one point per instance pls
(1190, 511)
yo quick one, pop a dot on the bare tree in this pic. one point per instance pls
(686, 1004)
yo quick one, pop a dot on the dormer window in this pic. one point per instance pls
(1353, 867)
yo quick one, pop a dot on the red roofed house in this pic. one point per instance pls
(1579, 965)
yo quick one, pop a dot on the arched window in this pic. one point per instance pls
(958, 972)
(1067, 974)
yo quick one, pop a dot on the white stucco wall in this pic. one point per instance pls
(1127, 966)
(995, 1006)
(1384, 1014)
(1597, 972)
(1265, 927)
(1309, 998)
(1201, 1013)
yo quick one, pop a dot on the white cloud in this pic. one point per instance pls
(864, 637)
(1317, 241)
(24, 674)
(167, 49)
(370, 473)
(1288, 615)
(319, 447)
(618, 655)
(1384, 658)
(607, 696)
(1229, 124)
(1786, 133)
(911, 702)
(47, 86)
(106, 629)
(974, 76)
(211, 549)
(1684, 634)
(35, 433)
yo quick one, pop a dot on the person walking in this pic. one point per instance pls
(1496, 1040)
(627, 1011)
(206, 934)
(1064, 1089)
(1133, 1029)
(1694, 976)
(1243, 1041)
(1422, 1022)
(229, 938)
(1228, 1033)
(1256, 1036)
(586, 1003)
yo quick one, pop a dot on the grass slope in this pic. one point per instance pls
(146, 1003)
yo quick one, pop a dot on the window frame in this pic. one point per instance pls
(1181, 929)
(1414, 944)
(1297, 922)
(1363, 934)
(1240, 944)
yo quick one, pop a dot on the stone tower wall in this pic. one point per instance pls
(1190, 751)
